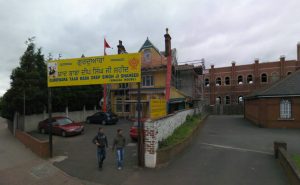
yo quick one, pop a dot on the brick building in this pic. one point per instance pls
(277, 106)
(228, 85)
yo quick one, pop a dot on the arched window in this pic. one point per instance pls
(240, 79)
(227, 80)
(249, 79)
(285, 109)
(274, 76)
(264, 78)
(218, 81)
(240, 99)
(219, 100)
(206, 83)
(227, 100)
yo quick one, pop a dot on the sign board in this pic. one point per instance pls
(158, 108)
(109, 69)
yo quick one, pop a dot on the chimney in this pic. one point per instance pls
(121, 48)
(256, 61)
(298, 51)
(212, 66)
(282, 58)
(167, 43)
(233, 63)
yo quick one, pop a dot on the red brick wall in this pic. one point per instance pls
(234, 90)
(266, 112)
(41, 148)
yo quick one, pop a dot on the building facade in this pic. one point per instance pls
(228, 85)
(153, 84)
(277, 106)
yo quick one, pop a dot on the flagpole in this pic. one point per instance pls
(104, 86)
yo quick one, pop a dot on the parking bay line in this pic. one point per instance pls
(236, 148)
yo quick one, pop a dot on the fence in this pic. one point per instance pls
(30, 122)
(221, 109)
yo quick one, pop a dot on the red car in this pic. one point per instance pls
(61, 125)
(134, 130)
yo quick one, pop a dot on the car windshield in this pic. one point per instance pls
(64, 121)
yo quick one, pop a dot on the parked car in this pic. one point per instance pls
(103, 118)
(133, 132)
(61, 125)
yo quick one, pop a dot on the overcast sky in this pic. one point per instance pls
(218, 30)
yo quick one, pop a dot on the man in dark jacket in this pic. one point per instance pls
(119, 144)
(101, 141)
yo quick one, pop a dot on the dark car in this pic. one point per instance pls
(103, 118)
(61, 125)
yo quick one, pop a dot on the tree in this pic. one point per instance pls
(29, 85)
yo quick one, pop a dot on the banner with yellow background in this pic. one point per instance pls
(123, 68)
(158, 108)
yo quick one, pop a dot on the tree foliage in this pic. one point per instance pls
(29, 82)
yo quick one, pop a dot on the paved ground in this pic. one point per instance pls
(81, 155)
(19, 166)
(229, 151)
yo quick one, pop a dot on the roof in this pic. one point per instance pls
(148, 44)
(289, 86)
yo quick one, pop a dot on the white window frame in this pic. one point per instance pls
(147, 81)
(285, 109)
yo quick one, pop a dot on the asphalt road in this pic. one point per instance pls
(228, 150)
(81, 158)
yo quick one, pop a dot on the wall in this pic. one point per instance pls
(234, 90)
(41, 148)
(287, 163)
(157, 130)
(31, 121)
(265, 112)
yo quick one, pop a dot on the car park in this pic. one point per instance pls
(61, 125)
(103, 118)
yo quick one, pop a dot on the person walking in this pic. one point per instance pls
(101, 141)
(119, 144)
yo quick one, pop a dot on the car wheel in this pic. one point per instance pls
(63, 133)
(42, 130)
(88, 121)
(103, 122)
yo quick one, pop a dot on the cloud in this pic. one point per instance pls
(219, 31)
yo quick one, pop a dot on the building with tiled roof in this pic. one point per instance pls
(276, 106)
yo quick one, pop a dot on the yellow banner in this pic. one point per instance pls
(124, 68)
(158, 108)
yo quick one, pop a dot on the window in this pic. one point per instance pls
(240, 80)
(123, 85)
(274, 76)
(227, 80)
(227, 100)
(218, 100)
(240, 99)
(264, 78)
(285, 109)
(249, 79)
(127, 106)
(206, 83)
(218, 81)
(289, 73)
(119, 105)
(147, 81)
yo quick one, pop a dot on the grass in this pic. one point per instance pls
(182, 132)
(296, 158)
